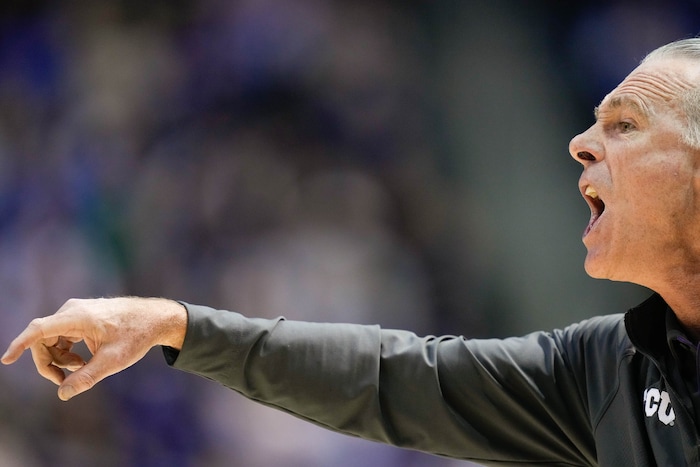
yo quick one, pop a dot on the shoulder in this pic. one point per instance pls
(603, 335)
(599, 331)
(598, 343)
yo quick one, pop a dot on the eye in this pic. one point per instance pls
(625, 126)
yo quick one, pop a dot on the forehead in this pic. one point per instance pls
(651, 86)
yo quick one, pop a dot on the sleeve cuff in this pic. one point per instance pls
(170, 355)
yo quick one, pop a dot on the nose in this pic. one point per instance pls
(585, 149)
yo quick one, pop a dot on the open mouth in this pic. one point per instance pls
(597, 207)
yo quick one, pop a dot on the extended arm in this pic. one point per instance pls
(492, 401)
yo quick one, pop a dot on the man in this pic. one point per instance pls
(610, 391)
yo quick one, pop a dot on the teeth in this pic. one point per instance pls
(590, 191)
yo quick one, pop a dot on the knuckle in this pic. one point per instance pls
(71, 303)
(36, 326)
(85, 379)
(36, 322)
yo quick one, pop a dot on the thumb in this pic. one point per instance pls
(84, 378)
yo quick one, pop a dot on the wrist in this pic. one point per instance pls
(174, 324)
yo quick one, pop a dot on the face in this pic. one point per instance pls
(640, 179)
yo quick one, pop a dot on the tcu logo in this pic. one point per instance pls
(657, 402)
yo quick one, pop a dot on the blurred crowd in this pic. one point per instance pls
(400, 163)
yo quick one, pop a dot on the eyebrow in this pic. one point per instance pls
(623, 101)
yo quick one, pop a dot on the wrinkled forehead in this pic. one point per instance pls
(654, 84)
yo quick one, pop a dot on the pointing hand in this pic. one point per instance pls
(118, 332)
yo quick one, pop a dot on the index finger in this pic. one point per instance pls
(38, 330)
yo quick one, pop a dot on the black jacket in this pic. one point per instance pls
(605, 391)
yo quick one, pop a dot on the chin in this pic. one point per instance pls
(595, 268)
(600, 270)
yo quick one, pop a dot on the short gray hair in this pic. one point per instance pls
(684, 48)
(690, 100)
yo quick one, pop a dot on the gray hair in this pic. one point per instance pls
(690, 100)
(684, 48)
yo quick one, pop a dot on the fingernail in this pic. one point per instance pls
(4, 356)
(66, 392)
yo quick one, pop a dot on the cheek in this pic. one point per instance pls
(666, 175)
(662, 200)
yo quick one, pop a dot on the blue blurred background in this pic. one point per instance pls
(393, 162)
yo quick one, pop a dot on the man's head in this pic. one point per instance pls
(641, 174)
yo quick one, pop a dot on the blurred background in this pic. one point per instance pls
(394, 162)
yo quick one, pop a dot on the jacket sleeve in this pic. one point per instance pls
(497, 402)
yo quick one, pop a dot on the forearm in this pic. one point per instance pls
(359, 380)
(274, 362)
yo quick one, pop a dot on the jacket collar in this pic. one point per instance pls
(646, 326)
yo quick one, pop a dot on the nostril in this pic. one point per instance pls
(585, 156)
